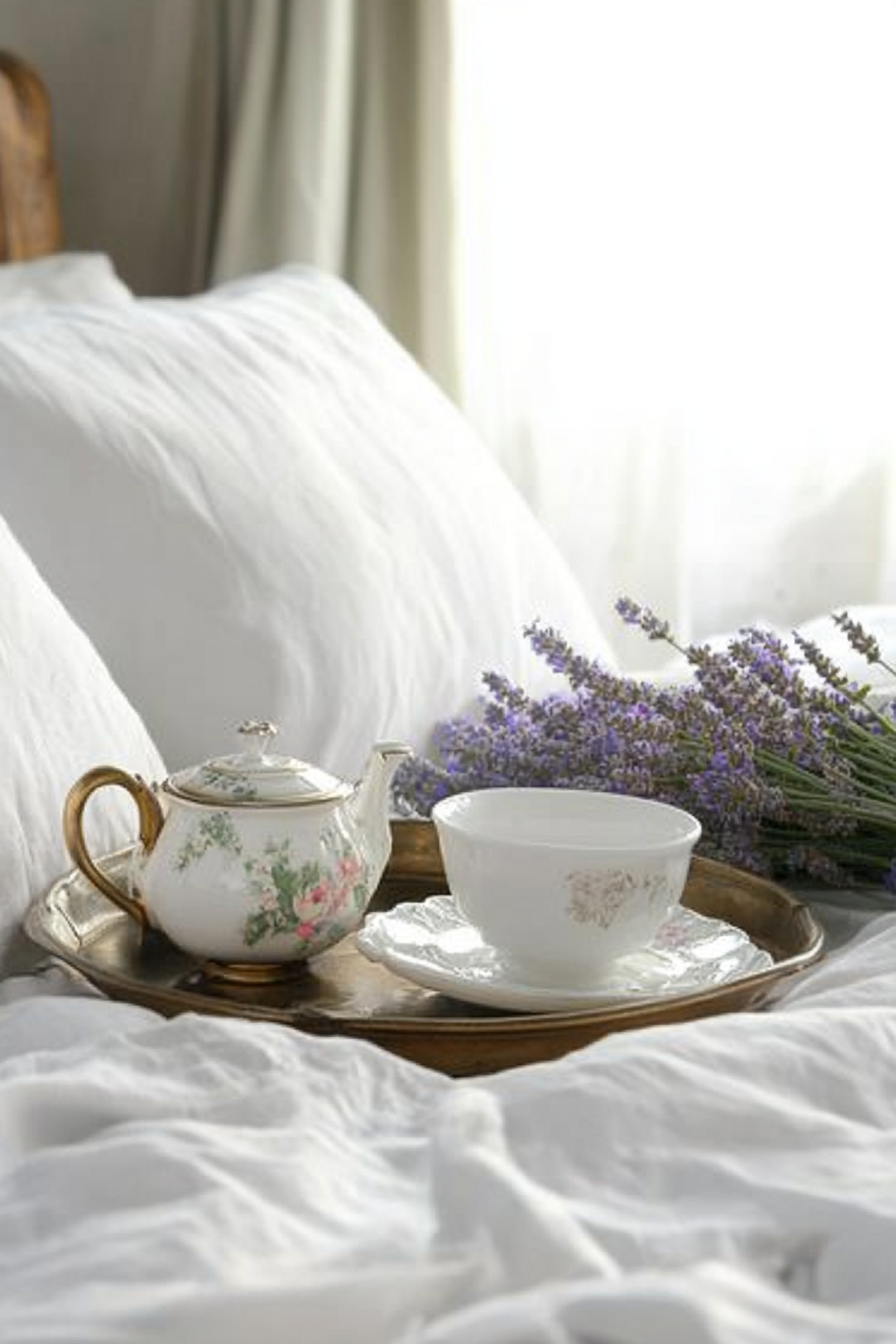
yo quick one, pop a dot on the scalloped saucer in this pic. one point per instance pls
(431, 943)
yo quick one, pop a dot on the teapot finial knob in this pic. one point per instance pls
(256, 734)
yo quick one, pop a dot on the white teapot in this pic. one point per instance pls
(250, 861)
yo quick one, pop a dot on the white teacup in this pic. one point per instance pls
(564, 881)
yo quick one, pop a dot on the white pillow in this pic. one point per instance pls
(61, 714)
(258, 505)
(63, 278)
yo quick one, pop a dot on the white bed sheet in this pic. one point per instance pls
(726, 1180)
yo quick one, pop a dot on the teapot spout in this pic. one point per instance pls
(370, 803)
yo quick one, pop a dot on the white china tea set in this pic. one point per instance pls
(256, 862)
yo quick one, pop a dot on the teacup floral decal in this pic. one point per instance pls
(313, 902)
(597, 898)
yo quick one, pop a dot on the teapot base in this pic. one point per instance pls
(252, 972)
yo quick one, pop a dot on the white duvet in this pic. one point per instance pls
(211, 1180)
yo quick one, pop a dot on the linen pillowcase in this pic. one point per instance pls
(257, 504)
(63, 278)
(62, 714)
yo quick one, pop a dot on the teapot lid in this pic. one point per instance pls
(255, 778)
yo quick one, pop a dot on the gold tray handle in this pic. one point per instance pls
(151, 821)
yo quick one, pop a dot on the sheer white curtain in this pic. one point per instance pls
(678, 302)
(342, 157)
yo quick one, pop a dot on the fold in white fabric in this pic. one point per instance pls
(732, 1179)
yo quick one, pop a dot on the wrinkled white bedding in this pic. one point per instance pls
(199, 1179)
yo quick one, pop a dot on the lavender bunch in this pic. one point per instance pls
(786, 776)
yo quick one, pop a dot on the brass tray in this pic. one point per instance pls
(340, 993)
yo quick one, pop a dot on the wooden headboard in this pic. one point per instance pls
(30, 223)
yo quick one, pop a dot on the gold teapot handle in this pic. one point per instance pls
(151, 821)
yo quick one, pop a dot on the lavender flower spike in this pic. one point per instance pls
(863, 642)
(634, 614)
(826, 668)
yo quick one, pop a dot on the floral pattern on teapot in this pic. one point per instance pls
(309, 901)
